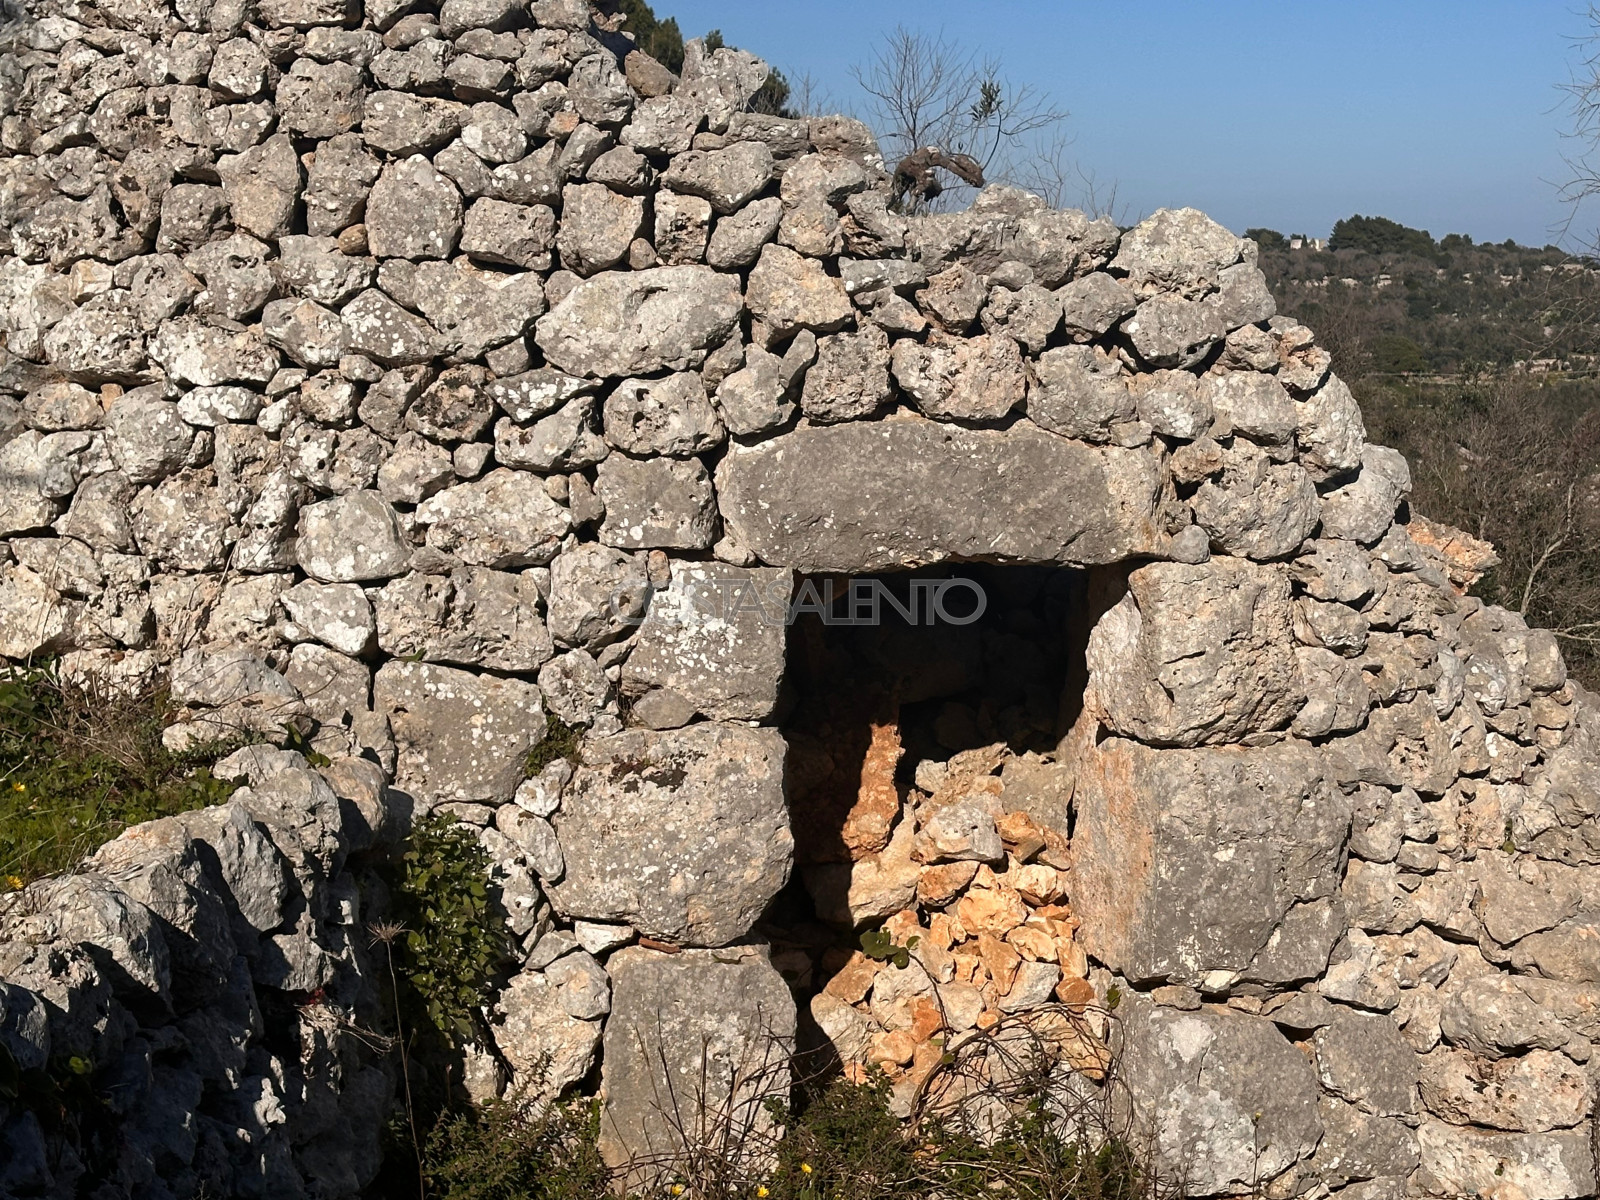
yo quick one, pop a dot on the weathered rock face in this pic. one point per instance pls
(405, 380)
(682, 834)
(1197, 654)
(817, 499)
(1238, 1102)
(1189, 861)
(720, 1023)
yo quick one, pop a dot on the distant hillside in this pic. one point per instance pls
(1392, 300)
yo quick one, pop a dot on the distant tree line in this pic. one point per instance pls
(1393, 300)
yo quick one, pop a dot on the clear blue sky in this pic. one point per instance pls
(1441, 114)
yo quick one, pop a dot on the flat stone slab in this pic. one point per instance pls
(907, 492)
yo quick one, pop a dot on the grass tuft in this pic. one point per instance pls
(78, 766)
(560, 741)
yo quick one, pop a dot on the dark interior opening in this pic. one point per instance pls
(869, 702)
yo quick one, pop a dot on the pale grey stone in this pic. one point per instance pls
(597, 594)
(1362, 1058)
(351, 539)
(738, 239)
(1081, 393)
(1169, 331)
(1175, 250)
(696, 833)
(597, 227)
(656, 502)
(865, 497)
(413, 212)
(1226, 1098)
(727, 178)
(565, 440)
(148, 437)
(547, 1049)
(320, 100)
(336, 614)
(716, 636)
(671, 416)
(472, 617)
(1234, 839)
(460, 737)
(503, 520)
(640, 322)
(1363, 509)
(969, 379)
(722, 1026)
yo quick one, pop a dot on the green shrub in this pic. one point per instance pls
(453, 942)
(78, 767)
(846, 1144)
(500, 1152)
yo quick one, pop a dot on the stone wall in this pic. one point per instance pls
(410, 374)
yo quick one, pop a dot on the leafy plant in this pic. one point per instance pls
(846, 1143)
(452, 942)
(502, 1151)
(879, 944)
(77, 767)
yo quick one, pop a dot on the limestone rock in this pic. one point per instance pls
(503, 520)
(597, 227)
(148, 437)
(597, 594)
(351, 538)
(262, 186)
(337, 614)
(670, 416)
(640, 322)
(1228, 1099)
(850, 378)
(656, 502)
(1175, 250)
(1196, 654)
(413, 212)
(1533, 1093)
(472, 617)
(717, 637)
(857, 498)
(696, 835)
(546, 1047)
(728, 178)
(720, 1023)
(1187, 861)
(972, 379)
(461, 737)
(1460, 1161)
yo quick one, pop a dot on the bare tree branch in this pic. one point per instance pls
(928, 97)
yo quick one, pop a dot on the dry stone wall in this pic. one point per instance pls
(411, 374)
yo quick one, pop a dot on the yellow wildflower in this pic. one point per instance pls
(19, 787)
(677, 1189)
(805, 1168)
(14, 882)
(761, 1190)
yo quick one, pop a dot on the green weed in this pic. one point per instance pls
(502, 1152)
(560, 741)
(453, 943)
